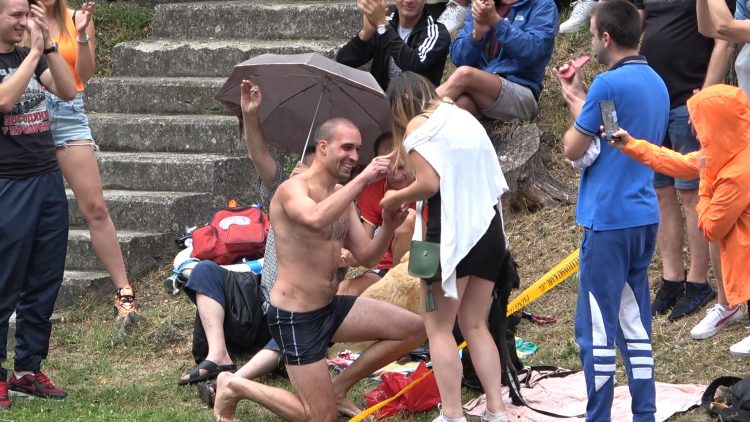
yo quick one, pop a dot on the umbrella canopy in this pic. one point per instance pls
(301, 91)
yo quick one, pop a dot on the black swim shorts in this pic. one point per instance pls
(304, 337)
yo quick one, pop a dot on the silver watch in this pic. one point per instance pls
(382, 28)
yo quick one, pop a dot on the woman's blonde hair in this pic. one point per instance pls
(60, 11)
(409, 95)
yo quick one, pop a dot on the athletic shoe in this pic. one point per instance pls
(35, 385)
(441, 418)
(717, 317)
(579, 17)
(4, 399)
(125, 303)
(453, 16)
(667, 296)
(696, 296)
(741, 349)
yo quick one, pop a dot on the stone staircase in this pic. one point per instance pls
(170, 154)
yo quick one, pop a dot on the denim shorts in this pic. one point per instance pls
(68, 121)
(680, 138)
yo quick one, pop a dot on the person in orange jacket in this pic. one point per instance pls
(720, 116)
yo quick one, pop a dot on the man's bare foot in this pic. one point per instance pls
(346, 407)
(225, 403)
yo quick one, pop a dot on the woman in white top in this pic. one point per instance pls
(458, 175)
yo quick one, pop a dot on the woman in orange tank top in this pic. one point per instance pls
(74, 33)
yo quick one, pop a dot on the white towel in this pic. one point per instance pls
(591, 154)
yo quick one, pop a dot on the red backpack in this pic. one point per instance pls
(233, 233)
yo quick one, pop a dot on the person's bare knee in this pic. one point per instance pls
(463, 77)
(414, 327)
(456, 85)
(467, 103)
(326, 411)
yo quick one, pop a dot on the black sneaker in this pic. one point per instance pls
(667, 296)
(696, 296)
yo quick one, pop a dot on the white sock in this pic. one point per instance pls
(494, 417)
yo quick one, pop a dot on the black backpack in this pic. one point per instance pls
(502, 328)
(736, 406)
(245, 326)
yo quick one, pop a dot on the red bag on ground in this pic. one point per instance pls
(233, 233)
(420, 398)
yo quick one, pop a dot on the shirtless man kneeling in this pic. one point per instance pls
(313, 218)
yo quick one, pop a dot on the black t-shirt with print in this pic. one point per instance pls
(674, 47)
(26, 147)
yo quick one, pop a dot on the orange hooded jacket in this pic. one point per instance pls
(721, 117)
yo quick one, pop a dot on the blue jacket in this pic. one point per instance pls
(526, 40)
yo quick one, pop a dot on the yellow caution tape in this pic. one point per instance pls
(550, 279)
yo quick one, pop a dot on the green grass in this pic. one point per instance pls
(116, 22)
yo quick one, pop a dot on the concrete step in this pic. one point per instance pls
(158, 211)
(197, 57)
(258, 19)
(142, 251)
(167, 133)
(222, 175)
(78, 284)
(154, 95)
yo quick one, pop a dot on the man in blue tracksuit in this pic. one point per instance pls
(619, 212)
(500, 55)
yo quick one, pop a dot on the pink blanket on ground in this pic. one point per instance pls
(567, 396)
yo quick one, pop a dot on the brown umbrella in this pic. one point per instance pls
(301, 91)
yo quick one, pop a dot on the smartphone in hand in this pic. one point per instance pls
(609, 118)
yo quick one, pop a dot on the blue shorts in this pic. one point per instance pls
(680, 138)
(207, 278)
(68, 121)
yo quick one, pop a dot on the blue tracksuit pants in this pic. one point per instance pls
(614, 309)
(33, 243)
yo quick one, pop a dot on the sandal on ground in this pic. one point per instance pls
(212, 370)
(539, 319)
(207, 392)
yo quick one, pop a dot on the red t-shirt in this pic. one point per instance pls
(371, 212)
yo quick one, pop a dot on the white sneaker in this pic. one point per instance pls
(579, 17)
(441, 418)
(453, 16)
(717, 317)
(741, 349)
